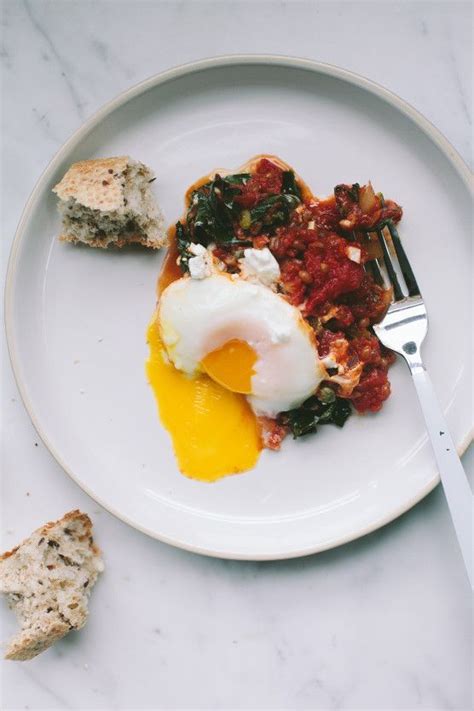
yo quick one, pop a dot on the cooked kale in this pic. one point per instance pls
(304, 419)
(354, 192)
(347, 197)
(240, 178)
(274, 211)
(289, 184)
(212, 211)
(182, 242)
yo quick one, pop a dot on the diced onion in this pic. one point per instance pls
(367, 201)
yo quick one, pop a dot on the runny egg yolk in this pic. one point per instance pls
(231, 365)
(214, 430)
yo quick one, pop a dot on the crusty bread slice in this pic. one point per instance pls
(47, 580)
(109, 201)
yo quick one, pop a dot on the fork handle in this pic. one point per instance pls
(456, 486)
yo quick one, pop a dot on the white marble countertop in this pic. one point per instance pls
(381, 623)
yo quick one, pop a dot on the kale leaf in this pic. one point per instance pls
(212, 211)
(354, 192)
(347, 197)
(289, 184)
(182, 242)
(274, 210)
(304, 419)
(239, 178)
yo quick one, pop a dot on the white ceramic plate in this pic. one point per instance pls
(76, 317)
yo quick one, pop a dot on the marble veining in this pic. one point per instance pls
(54, 54)
(461, 93)
(381, 623)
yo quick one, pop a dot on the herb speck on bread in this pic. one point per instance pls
(47, 580)
(109, 201)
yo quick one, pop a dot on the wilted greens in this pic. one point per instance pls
(214, 212)
(304, 419)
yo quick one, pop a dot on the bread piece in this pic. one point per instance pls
(109, 201)
(47, 580)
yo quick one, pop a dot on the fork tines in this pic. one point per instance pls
(399, 273)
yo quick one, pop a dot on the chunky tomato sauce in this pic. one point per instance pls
(322, 251)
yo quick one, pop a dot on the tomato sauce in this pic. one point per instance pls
(335, 293)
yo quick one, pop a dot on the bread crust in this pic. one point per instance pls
(74, 515)
(104, 242)
(28, 645)
(96, 183)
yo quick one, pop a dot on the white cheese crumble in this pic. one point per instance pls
(199, 268)
(200, 265)
(259, 265)
(197, 249)
(354, 254)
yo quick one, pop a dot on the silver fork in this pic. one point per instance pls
(403, 330)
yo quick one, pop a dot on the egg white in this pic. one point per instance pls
(198, 316)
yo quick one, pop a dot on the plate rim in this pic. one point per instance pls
(123, 98)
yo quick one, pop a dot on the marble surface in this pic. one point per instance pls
(381, 623)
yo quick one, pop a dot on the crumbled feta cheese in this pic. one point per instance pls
(259, 265)
(311, 225)
(354, 254)
(197, 249)
(199, 267)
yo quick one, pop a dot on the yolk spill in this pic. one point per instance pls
(231, 365)
(214, 430)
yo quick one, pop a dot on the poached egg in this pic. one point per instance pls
(225, 351)
(245, 336)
